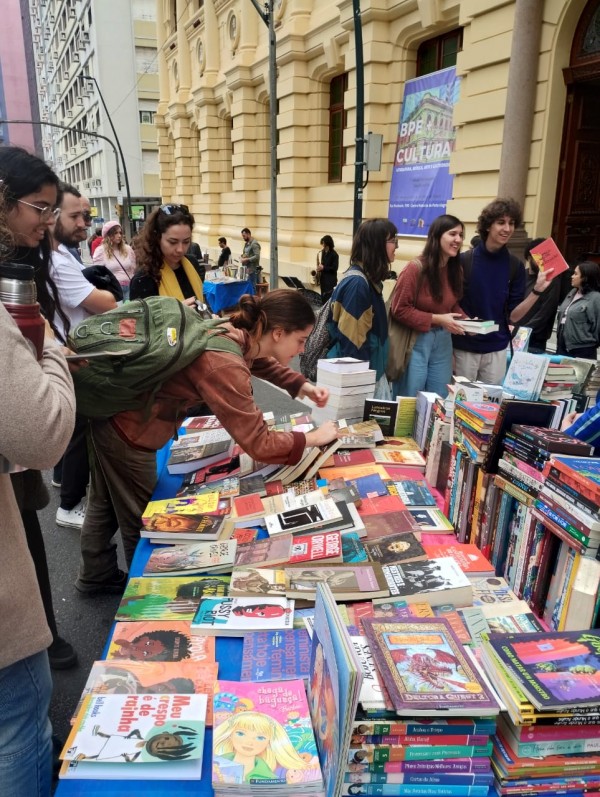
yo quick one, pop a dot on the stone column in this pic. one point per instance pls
(520, 100)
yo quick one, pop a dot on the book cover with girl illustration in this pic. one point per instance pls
(263, 736)
(137, 729)
(165, 640)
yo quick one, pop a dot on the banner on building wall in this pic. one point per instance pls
(421, 180)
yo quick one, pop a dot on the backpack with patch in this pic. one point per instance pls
(319, 341)
(151, 339)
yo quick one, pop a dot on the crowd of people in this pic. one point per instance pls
(42, 224)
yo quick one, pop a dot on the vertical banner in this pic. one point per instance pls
(421, 180)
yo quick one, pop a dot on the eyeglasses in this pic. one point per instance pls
(46, 213)
(87, 216)
(393, 240)
(171, 209)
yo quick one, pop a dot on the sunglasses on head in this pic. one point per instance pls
(169, 210)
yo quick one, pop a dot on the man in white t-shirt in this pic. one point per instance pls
(79, 299)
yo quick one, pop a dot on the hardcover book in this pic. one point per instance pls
(426, 670)
(169, 598)
(193, 557)
(239, 616)
(276, 655)
(263, 737)
(133, 729)
(167, 640)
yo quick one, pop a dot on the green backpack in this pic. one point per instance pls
(151, 340)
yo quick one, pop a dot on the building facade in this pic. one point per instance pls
(114, 42)
(526, 123)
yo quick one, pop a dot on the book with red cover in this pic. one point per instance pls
(358, 456)
(380, 504)
(547, 256)
(584, 472)
(466, 555)
(314, 547)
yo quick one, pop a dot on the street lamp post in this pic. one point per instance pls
(268, 17)
(360, 119)
(76, 129)
(127, 203)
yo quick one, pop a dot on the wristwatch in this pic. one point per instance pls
(536, 293)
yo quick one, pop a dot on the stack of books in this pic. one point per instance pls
(349, 382)
(549, 738)
(473, 426)
(565, 376)
(437, 734)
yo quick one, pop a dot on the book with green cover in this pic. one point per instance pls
(169, 598)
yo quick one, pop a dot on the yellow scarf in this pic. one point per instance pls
(169, 286)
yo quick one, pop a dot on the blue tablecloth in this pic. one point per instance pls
(222, 295)
(229, 656)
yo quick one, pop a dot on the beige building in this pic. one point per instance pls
(527, 119)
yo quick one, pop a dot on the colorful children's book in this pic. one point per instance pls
(193, 557)
(263, 736)
(152, 677)
(239, 616)
(193, 505)
(165, 640)
(426, 670)
(134, 729)
(556, 670)
(276, 655)
(169, 598)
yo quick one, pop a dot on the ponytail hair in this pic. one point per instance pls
(280, 309)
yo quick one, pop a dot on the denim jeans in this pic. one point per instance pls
(25, 731)
(430, 365)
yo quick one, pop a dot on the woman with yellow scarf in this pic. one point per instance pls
(162, 267)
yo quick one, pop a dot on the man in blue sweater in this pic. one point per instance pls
(494, 284)
(494, 289)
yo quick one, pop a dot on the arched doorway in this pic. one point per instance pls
(576, 226)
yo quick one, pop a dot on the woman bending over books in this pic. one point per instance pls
(266, 333)
(357, 320)
(426, 299)
(162, 269)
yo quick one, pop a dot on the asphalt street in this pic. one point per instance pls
(84, 621)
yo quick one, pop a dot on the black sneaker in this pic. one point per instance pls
(115, 585)
(61, 654)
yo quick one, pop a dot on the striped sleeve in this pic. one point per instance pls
(587, 427)
(352, 317)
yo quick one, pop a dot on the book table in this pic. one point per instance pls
(229, 656)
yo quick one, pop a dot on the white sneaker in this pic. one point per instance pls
(71, 518)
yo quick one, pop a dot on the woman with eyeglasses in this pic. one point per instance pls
(38, 412)
(357, 320)
(160, 249)
(116, 255)
(425, 299)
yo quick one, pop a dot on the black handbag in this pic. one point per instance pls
(102, 277)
